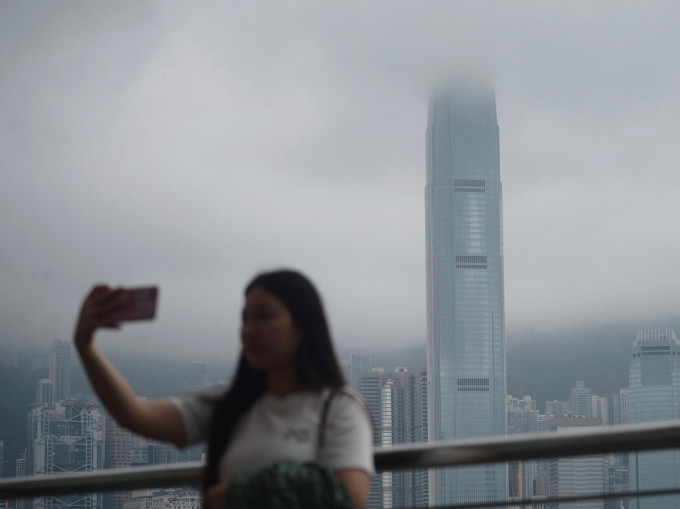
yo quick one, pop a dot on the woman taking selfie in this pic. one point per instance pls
(287, 420)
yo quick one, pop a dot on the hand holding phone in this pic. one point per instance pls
(135, 304)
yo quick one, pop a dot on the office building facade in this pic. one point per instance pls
(523, 417)
(359, 362)
(397, 403)
(620, 405)
(60, 369)
(578, 475)
(45, 392)
(654, 395)
(20, 471)
(581, 400)
(465, 294)
(66, 437)
(601, 409)
(117, 441)
(174, 498)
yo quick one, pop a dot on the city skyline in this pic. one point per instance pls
(397, 398)
(465, 294)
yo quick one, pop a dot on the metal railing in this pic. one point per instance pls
(625, 438)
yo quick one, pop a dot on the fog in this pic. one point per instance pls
(193, 145)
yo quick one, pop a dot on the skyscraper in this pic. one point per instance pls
(67, 437)
(523, 417)
(395, 402)
(45, 393)
(579, 475)
(620, 404)
(581, 400)
(117, 442)
(360, 362)
(601, 408)
(60, 369)
(654, 395)
(20, 471)
(465, 295)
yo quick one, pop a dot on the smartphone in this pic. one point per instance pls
(136, 304)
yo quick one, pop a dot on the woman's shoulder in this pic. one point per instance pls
(346, 399)
(348, 392)
(201, 403)
(349, 435)
(196, 411)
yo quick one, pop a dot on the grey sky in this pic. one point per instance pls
(193, 144)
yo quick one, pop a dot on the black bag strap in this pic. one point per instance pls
(322, 422)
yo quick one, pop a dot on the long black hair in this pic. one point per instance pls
(316, 365)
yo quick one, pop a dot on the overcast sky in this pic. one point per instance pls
(193, 144)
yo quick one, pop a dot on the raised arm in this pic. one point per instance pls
(157, 419)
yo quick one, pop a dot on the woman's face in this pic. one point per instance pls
(269, 335)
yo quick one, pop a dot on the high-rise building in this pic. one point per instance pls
(20, 471)
(600, 408)
(116, 455)
(163, 453)
(66, 437)
(581, 400)
(654, 395)
(174, 498)
(523, 417)
(139, 451)
(557, 408)
(20, 465)
(2, 459)
(359, 362)
(196, 378)
(421, 476)
(617, 480)
(45, 393)
(623, 402)
(346, 369)
(465, 294)
(579, 475)
(620, 404)
(395, 401)
(60, 369)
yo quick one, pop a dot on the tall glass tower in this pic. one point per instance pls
(654, 395)
(465, 297)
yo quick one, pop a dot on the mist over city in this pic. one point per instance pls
(191, 146)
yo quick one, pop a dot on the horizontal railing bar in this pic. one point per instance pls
(632, 437)
(561, 500)
(528, 446)
(120, 479)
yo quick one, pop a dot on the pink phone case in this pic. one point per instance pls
(138, 304)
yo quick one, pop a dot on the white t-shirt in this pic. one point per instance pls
(276, 429)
